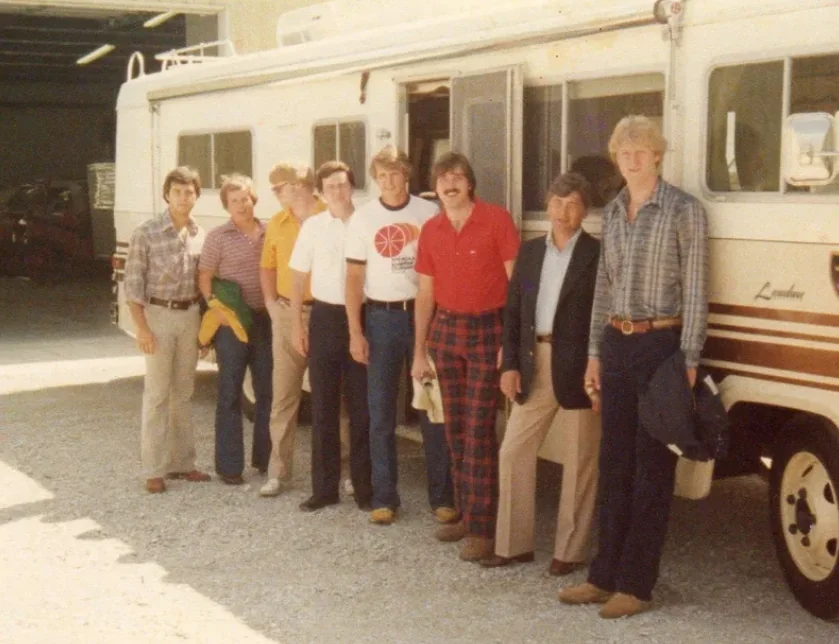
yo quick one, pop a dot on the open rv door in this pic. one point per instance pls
(486, 126)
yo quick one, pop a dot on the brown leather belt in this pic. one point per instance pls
(179, 305)
(631, 327)
(400, 305)
(544, 337)
(287, 301)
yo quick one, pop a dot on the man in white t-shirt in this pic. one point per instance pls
(380, 251)
(318, 256)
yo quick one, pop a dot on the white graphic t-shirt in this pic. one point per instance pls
(386, 240)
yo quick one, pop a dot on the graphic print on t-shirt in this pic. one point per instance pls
(391, 240)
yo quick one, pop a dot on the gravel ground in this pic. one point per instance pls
(331, 576)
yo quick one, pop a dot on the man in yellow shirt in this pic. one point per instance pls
(293, 185)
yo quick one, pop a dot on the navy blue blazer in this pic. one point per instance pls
(571, 320)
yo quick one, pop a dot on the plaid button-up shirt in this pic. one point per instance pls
(162, 262)
(655, 267)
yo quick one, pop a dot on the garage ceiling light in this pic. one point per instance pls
(159, 19)
(96, 54)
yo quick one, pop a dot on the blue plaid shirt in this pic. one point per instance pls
(655, 267)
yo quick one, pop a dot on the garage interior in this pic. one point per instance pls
(58, 90)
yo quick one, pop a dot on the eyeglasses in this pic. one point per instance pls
(277, 189)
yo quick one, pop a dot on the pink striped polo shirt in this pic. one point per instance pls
(232, 255)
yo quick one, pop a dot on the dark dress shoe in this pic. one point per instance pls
(364, 505)
(561, 568)
(312, 504)
(231, 480)
(496, 561)
(193, 476)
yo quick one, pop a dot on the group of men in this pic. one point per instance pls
(563, 323)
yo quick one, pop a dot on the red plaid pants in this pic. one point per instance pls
(464, 348)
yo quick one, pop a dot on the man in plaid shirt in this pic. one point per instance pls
(161, 286)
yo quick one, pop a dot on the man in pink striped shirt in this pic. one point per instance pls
(232, 252)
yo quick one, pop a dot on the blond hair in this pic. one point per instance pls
(391, 158)
(292, 173)
(640, 130)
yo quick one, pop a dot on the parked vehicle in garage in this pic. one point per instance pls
(46, 230)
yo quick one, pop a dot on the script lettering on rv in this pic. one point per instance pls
(768, 293)
(834, 269)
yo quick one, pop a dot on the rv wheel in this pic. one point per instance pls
(248, 397)
(804, 510)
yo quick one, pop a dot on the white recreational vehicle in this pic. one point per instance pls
(747, 94)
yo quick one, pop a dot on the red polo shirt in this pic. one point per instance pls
(468, 266)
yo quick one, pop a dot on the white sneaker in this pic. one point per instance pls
(349, 490)
(271, 487)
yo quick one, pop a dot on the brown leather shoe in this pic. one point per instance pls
(451, 532)
(194, 476)
(585, 593)
(561, 568)
(155, 486)
(476, 548)
(231, 480)
(496, 561)
(623, 605)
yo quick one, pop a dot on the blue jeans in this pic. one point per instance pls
(233, 358)
(391, 338)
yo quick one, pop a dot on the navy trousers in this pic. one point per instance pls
(636, 471)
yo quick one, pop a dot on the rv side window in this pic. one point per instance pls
(217, 154)
(594, 108)
(814, 87)
(744, 127)
(542, 146)
(345, 142)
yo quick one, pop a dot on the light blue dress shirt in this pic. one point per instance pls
(554, 269)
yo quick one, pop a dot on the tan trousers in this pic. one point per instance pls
(526, 431)
(167, 443)
(289, 367)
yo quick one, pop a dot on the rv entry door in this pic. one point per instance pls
(486, 126)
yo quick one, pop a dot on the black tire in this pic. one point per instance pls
(804, 512)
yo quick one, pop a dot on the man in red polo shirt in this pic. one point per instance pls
(464, 260)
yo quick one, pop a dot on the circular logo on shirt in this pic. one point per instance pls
(391, 240)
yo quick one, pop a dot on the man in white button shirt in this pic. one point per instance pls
(319, 255)
(381, 249)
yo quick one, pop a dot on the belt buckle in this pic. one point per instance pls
(404, 305)
(627, 328)
(169, 304)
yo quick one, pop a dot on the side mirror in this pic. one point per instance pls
(811, 145)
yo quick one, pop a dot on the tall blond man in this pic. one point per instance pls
(294, 187)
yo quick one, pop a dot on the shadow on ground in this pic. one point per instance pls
(333, 577)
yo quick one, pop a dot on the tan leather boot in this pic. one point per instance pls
(585, 593)
(477, 548)
(451, 532)
(623, 605)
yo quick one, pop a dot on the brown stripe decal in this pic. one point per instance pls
(773, 333)
(817, 362)
(719, 374)
(122, 244)
(781, 315)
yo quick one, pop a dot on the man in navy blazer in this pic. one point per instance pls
(545, 339)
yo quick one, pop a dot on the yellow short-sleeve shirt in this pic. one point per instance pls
(280, 235)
